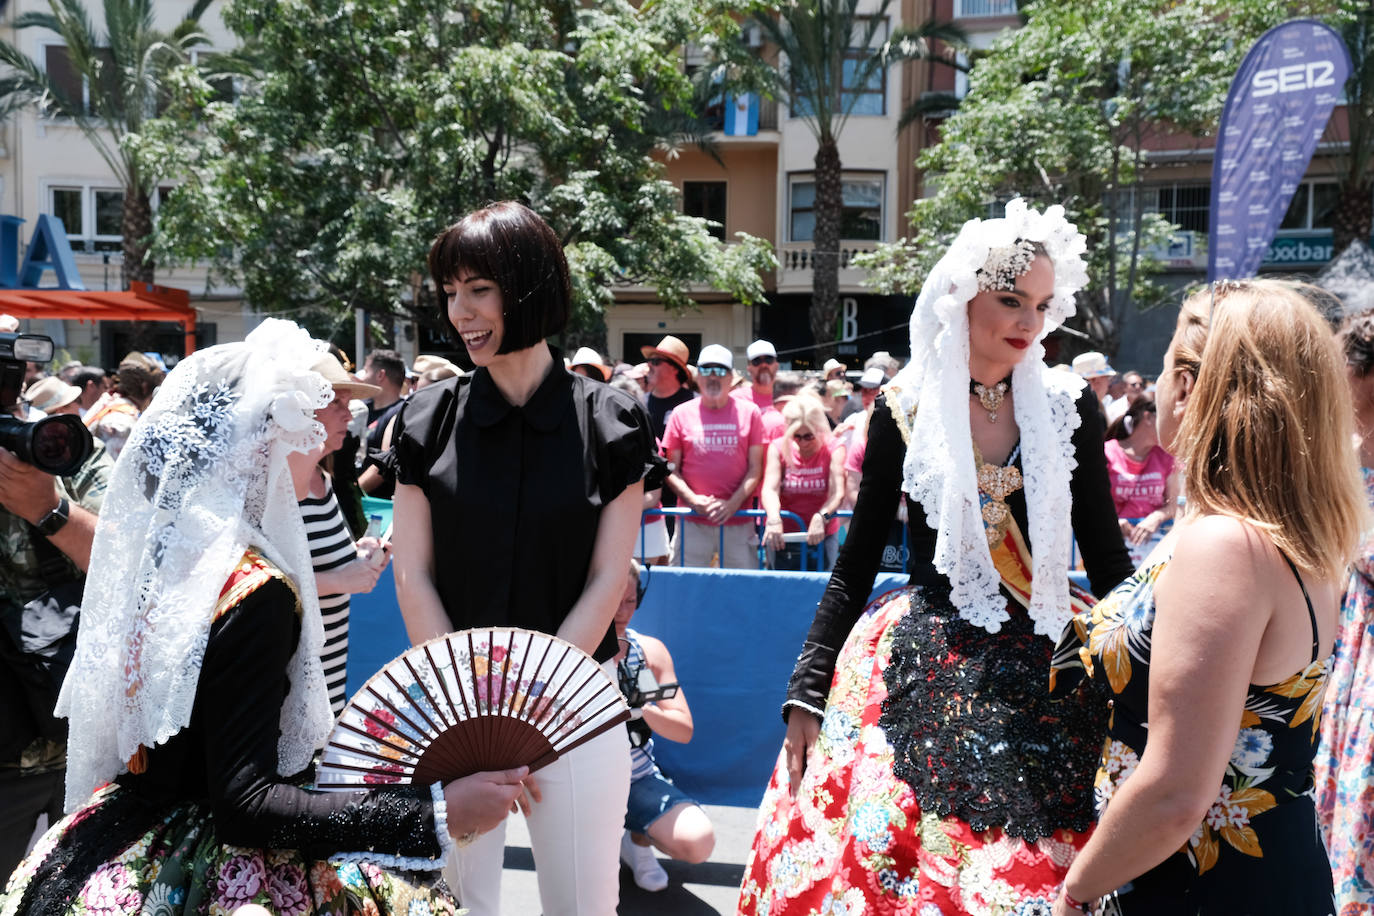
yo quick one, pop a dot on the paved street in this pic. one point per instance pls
(698, 890)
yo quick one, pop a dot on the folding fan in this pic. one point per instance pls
(467, 702)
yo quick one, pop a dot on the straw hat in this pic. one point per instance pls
(50, 393)
(345, 385)
(427, 361)
(1092, 365)
(831, 365)
(671, 349)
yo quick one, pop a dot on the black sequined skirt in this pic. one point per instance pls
(974, 731)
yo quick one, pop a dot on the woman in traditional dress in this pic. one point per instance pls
(925, 768)
(518, 498)
(1225, 634)
(196, 692)
(1345, 762)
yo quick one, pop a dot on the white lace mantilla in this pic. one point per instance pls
(939, 471)
(203, 476)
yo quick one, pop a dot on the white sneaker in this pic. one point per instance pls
(649, 875)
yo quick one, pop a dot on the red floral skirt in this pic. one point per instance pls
(855, 841)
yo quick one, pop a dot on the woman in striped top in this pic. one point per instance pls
(342, 566)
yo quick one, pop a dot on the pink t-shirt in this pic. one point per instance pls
(773, 423)
(715, 445)
(805, 486)
(1138, 487)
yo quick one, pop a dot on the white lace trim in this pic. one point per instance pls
(938, 471)
(203, 476)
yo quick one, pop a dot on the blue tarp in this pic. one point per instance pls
(734, 636)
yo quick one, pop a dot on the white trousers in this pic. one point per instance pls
(574, 834)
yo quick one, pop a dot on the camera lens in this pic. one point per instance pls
(58, 446)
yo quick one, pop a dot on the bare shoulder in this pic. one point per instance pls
(653, 646)
(1224, 557)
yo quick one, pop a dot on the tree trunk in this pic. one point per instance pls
(1353, 218)
(136, 224)
(825, 258)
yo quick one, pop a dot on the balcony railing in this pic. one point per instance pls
(797, 260)
(983, 9)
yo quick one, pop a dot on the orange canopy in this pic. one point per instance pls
(143, 302)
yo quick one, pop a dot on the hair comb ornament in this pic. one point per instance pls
(470, 702)
(1004, 264)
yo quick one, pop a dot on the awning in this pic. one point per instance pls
(143, 302)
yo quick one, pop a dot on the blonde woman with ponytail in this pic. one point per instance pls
(1225, 634)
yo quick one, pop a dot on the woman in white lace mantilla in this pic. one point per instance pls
(925, 769)
(196, 696)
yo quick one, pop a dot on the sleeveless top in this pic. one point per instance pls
(1257, 849)
(641, 758)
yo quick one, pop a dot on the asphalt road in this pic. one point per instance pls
(709, 888)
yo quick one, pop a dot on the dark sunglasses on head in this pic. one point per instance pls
(713, 370)
(762, 360)
(803, 437)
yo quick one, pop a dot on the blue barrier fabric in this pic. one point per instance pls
(734, 636)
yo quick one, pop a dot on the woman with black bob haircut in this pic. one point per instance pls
(517, 504)
(510, 245)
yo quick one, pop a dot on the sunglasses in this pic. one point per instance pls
(762, 360)
(713, 370)
(804, 437)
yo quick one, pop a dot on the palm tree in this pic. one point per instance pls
(830, 52)
(120, 80)
(1354, 210)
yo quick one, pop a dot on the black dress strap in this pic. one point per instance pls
(1311, 614)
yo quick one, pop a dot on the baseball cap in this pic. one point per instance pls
(716, 355)
(872, 378)
(756, 349)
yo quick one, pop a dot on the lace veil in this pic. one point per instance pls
(939, 472)
(203, 476)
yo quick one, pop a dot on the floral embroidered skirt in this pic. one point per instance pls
(177, 867)
(855, 840)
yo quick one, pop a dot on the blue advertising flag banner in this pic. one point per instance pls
(1275, 113)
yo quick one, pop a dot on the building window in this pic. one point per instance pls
(983, 9)
(58, 65)
(706, 199)
(868, 96)
(860, 220)
(92, 216)
(1312, 206)
(1186, 205)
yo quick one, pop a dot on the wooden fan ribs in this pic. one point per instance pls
(435, 715)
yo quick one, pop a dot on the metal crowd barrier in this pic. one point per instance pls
(809, 554)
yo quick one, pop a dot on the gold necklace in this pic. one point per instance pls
(996, 482)
(989, 397)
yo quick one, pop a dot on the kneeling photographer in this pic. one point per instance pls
(52, 481)
(659, 813)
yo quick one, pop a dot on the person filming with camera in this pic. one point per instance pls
(47, 523)
(659, 813)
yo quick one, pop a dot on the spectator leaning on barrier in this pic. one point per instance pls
(715, 448)
(804, 475)
(658, 811)
(1145, 480)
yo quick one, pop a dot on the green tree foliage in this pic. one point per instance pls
(366, 126)
(1353, 217)
(124, 74)
(1064, 110)
(829, 48)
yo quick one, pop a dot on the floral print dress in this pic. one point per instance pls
(1345, 764)
(1258, 849)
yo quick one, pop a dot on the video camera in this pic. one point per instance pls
(56, 445)
(639, 685)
